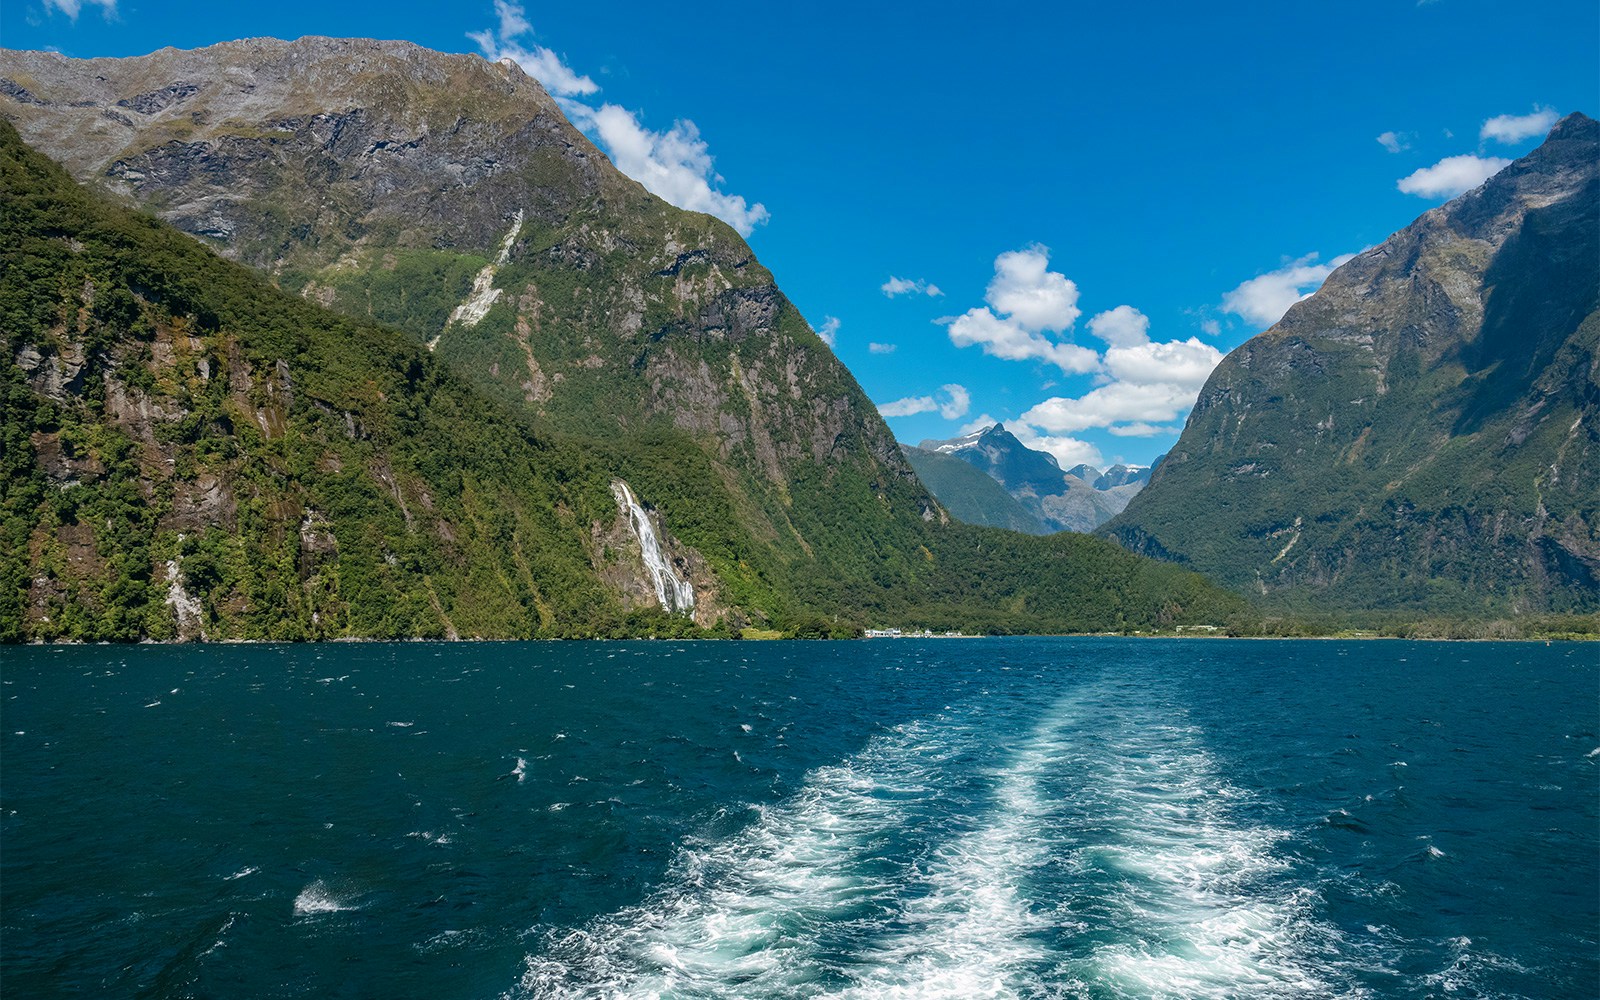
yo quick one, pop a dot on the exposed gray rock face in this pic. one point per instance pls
(382, 179)
(1120, 475)
(1060, 501)
(1424, 431)
(261, 144)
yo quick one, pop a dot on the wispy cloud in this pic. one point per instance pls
(1510, 129)
(877, 348)
(829, 330)
(1395, 142)
(954, 404)
(1452, 175)
(1262, 300)
(675, 165)
(537, 61)
(907, 286)
(72, 8)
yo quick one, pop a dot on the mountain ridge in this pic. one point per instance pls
(1421, 433)
(1058, 500)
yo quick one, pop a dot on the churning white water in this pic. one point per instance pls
(1099, 854)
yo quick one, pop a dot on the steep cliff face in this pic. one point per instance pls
(1422, 432)
(450, 197)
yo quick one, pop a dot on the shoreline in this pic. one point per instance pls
(418, 640)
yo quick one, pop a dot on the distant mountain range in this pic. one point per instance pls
(1423, 433)
(1043, 498)
(509, 392)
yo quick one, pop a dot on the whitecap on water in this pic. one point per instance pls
(319, 897)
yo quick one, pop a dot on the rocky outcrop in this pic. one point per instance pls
(1423, 431)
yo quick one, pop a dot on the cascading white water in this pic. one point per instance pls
(674, 594)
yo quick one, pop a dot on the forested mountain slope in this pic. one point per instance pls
(1424, 431)
(450, 197)
(189, 452)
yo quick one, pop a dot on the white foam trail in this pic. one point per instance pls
(1200, 904)
(978, 931)
(741, 917)
(1108, 859)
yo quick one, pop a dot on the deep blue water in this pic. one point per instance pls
(958, 818)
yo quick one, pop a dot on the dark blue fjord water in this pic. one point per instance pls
(961, 818)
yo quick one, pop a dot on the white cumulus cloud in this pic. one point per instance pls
(675, 165)
(1262, 300)
(908, 407)
(1030, 294)
(907, 286)
(1004, 338)
(957, 401)
(1027, 302)
(1185, 364)
(1067, 451)
(829, 330)
(1511, 129)
(877, 348)
(1143, 430)
(1452, 175)
(1121, 326)
(1117, 403)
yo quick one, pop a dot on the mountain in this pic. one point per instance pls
(448, 196)
(189, 452)
(969, 494)
(1059, 501)
(1424, 431)
(1121, 475)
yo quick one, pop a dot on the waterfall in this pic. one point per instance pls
(673, 594)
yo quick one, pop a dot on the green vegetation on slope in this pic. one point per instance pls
(1421, 435)
(190, 451)
(970, 494)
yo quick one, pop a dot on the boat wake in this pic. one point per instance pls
(1099, 853)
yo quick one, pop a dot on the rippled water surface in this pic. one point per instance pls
(957, 818)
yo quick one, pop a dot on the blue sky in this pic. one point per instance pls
(1056, 215)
